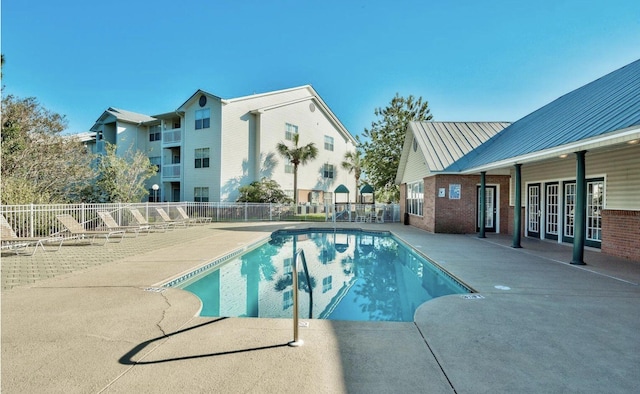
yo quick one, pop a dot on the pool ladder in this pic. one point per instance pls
(300, 253)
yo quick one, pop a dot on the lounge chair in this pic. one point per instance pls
(142, 221)
(111, 223)
(20, 245)
(78, 231)
(380, 216)
(167, 219)
(199, 219)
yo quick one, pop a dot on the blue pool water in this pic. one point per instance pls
(354, 275)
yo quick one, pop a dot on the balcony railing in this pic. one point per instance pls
(171, 171)
(172, 137)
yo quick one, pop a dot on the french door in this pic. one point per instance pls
(551, 211)
(533, 210)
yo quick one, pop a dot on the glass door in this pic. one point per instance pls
(533, 210)
(552, 207)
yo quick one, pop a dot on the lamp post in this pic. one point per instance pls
(155, 188)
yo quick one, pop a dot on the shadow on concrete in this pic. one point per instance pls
(128, 358)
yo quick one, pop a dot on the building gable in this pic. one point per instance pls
(440, 144)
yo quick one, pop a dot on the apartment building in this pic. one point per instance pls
(209, 146)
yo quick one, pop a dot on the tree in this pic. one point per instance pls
(353, 163)
(297, 155)
(122, 178)
(384, 141)
(263, 191)
(39, 165)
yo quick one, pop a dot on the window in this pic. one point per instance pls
(327, 284)
(288, 167)
(154, 133)
(155, 161)
(201, 194)
(288, 265)
(328, 143)
(202, 158)
(415, 197)
(203, 118)
(287, 299)
(327, 171)
(289, 131)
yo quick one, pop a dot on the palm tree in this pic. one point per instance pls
(297, 155)
(352, 163)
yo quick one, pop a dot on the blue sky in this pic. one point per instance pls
(471, 60)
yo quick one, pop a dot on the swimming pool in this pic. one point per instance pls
(353, 275)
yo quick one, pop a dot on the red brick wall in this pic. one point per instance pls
(459, 216)
(425, 221)
(442, 215)
(621, 233)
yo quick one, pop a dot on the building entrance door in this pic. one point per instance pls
(491, 209)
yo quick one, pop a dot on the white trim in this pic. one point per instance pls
(608, 139)
(496, 198)
(561, 195)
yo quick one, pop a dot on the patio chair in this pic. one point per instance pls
(142, 221)
(361, 215)
(78, 231)
(167, 219)
(111, 223)
(380, 216)
(198, 219)
(20, 245)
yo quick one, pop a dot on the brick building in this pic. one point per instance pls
(572, 167)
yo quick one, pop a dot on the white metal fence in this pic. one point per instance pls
(36, 220)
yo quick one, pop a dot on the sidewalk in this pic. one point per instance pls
(91, 319)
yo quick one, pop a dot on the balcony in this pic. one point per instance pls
(171, 137)
(171, 172)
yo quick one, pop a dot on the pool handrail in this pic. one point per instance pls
(296, 340)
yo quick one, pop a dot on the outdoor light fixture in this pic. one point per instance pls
(633, 142)
(155, 188)
(564, 156)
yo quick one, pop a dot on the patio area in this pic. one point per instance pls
(93, 319)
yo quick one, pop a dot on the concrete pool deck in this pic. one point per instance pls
(91, 319)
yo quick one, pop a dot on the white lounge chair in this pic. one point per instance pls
(78, 231)
(20, 245)
(142, 221)
(192, 220)
(167, 219)
(111, 223)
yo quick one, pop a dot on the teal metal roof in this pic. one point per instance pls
(341, 189)
(607, 104)
(366, 189)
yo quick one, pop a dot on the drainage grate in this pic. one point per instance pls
(155, 289)
(472, 296)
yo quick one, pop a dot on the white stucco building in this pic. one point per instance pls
(208, 147)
